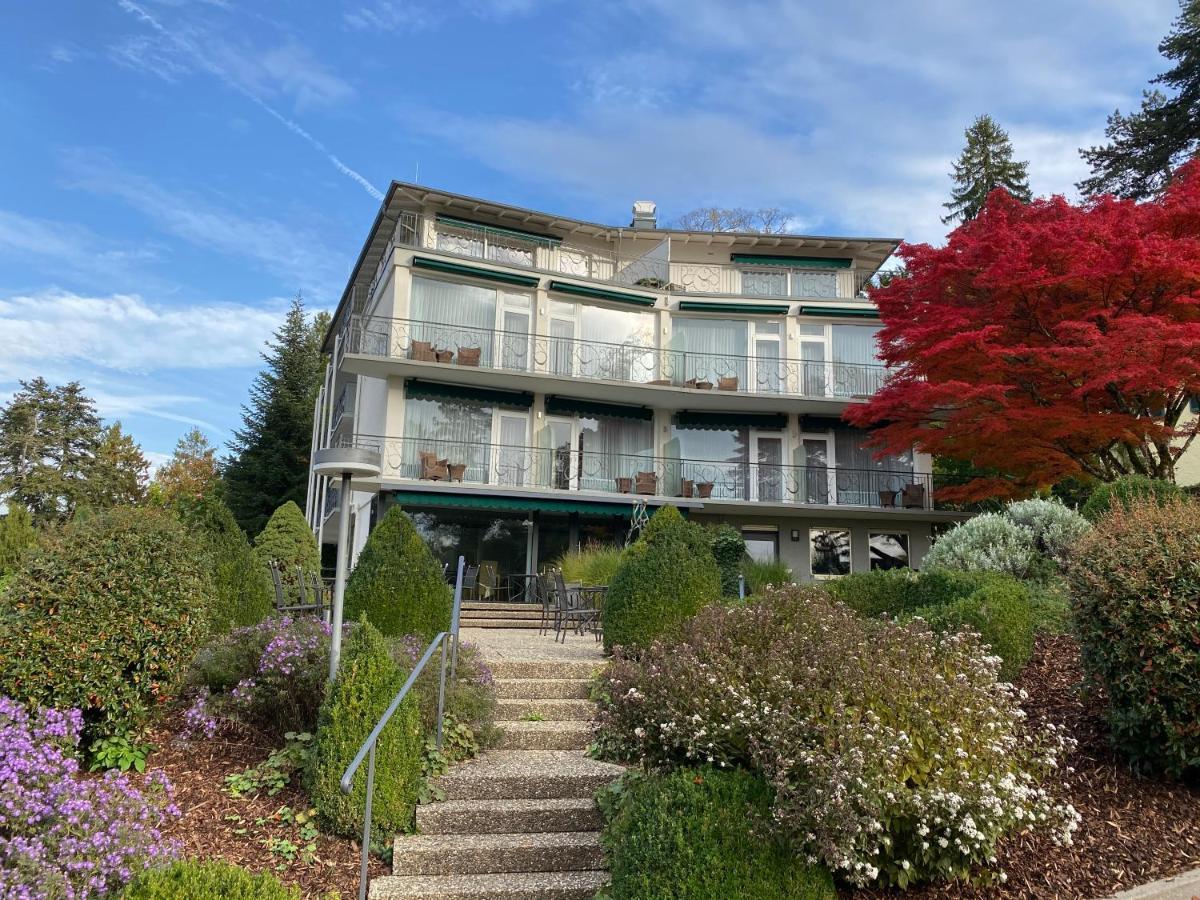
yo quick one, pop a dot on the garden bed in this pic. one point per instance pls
(1134, 830)
(215, 825)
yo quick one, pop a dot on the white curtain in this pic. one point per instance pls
(612, 447)
(617, 344)
(860, 476)
(452, 316)
(712, 348)
(458, 431)
(855, 360)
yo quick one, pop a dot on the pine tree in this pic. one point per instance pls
(271, 450)
(118, 472)
(191, 472)
(1145, 147)
(985, 164)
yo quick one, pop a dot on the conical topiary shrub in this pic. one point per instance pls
(287, 539)
(664, 579)
(397, 584)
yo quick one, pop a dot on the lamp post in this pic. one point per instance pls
(346, 463)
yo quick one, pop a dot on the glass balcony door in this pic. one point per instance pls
(818, 476)
(766, 359)
(564, 332)
(563, 437)
(766, 479)
(513, 316)
(511, 459)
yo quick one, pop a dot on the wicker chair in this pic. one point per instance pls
(422, 350)
(432, 468)
(727, 384)
(469, 356)
(914, 496)
(646, 483)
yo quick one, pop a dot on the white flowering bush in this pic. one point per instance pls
(896, 755)
(988, 543)
(1055, 527)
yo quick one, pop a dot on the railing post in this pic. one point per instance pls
(454, 614)
(441, 693)
(366, 841)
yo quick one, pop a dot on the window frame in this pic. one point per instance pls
(849, 547)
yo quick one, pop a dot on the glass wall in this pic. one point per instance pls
(611, 448)
(710, 349)
(461, 433)
(716, 456)
(453, 316)
(855, 360)
(600, 342)
(495, 543)
(860, 476)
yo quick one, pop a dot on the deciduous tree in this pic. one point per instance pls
(1047, 341)
(191, 472)
(768, 220)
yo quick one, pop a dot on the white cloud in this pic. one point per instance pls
(68, 247)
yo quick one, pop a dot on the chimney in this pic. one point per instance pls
(645, 214)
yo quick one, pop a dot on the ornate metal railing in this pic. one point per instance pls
(572, 469)
(342, 406)
(631, 363)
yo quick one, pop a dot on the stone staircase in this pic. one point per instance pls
(501, 615)
(519, 822)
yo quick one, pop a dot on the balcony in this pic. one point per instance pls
(464, 351)
(561, 469)
(654, 269)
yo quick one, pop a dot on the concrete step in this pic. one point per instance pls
(474, 854)
(508, 816)
(534, 624)
(528, 612)
(527, 775)
(548, 735)
(514, 710)
(543, 688)
(508, 886)
(474, 605)
(544, 668)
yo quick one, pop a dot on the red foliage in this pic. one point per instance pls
(1047, 340)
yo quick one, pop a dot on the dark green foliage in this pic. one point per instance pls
(985, 164)
(1000, 611)
(1051, 607)
(208, 880)
(242, 591)
(397, 584)
(288, 540)
(1135, 595)
(728, 549)
(1124, 491)
(699, 834)
(105, 617)
(900, 592)
(368, 681)
(16, 535)
(664, 579)
(270, 452)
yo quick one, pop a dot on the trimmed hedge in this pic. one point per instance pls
(901, 592)
(367, 682)
(1135, 593)
(692, 835)
(1124, 491)
(665, 578)
(728, 549)
(242, 591)
(287, 539)
(105, 617)
(1000, 611)
(209, 880)
(397, 584)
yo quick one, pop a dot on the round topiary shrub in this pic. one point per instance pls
(663, 580)
(366, 684)
(988, 543)
(209, 880)
(242, 592)
(397, 584)
(1135, 593)
(1001, 612)
(105, 617)
(287, 539)
(696, 834)
(1124, 491)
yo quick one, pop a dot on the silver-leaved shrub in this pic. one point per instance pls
(896, 755)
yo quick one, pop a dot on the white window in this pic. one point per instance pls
(762, 545)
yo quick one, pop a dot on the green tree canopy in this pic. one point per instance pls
(986, 163)
(271, 450)
(16, 534)
(119, 472)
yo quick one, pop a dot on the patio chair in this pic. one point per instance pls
(422, 350)
(277, 581)
(470, 582)
(686, 487)
(548, 596)
(572, 609)
(489, 579)
(914, 496)
(727, 384)
(432, 468)
(646, 483)
(469, 356)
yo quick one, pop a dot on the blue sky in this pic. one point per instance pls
(173, 171)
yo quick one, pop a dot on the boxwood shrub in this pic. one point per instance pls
(664, 579)
(210, 880)
(698, 834)
(287, 539)
(367, 683)
(1135, 594)
(242, 590)
(1001, 612)
(1123, 491)
(397, 584)
(105, 617)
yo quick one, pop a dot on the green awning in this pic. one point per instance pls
(720, 420)
(510, 504)
(758, 309)
(442, 265)
(791, 262)
(581, 290)
(840, 312)
(556, 405)
(500, 231)
(417, 389)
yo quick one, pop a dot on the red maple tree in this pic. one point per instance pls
(1047, 340)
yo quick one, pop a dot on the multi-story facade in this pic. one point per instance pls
(529, 380)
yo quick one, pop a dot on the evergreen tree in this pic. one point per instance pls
(191, 473)
(119, 471)
(271, 450)
(288, 540)
(1146, 146)
(16, 534)
(985, 164)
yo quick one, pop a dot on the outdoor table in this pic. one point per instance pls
(520, 588)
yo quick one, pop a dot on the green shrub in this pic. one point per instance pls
(105, 617)
(242, 590)
(593, 564)
(664, 579)
(397, 584)
(1135, 595)
(209, 880)
(1001, 612)
(1051, 607)
(287, 539)
(988, 543)
(1055, 527)
(759, 574)
(470, 696)
(367, 682)
(1124, 491)
(697, 834)
(17, 534)
(900, 592)
(728, 549)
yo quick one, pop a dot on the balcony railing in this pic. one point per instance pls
(654, 270)
(631, 363)
(343, 406)
(570, 469)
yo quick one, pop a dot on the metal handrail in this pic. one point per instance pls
(367, 750)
